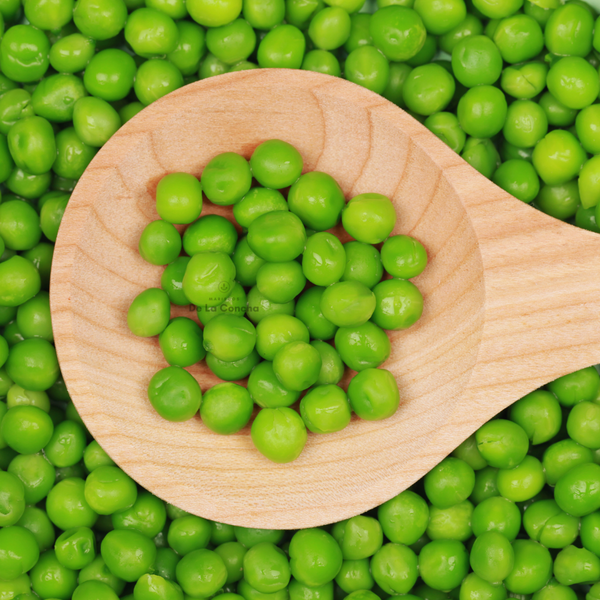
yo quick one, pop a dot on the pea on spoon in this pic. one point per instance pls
(512, 298)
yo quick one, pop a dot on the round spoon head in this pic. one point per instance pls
(499, 317)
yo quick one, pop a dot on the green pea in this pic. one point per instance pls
(235, 303)
(324, 259)
(226, 178)
(280, 282)
(129, 111)
(72, 154)
(522, 482)
(128, 554)
(526, 124)
(404, 518)
(35, 472)
(330, 28)
(181, 342)
(519, 38)
(532, 568)
(586, 219)
(179, 198)
(559, 201)
(502, 443)
(573, 82)
(16, 587)
(264, 14)
(475, 586)
(147, 516)
(108, 490)
(24, 53)
(14, 106)
(94, 456)
(260, 307)
(524, 81)
(54, 98)
(190, 47)
(51, 215)
(50, 579)
(300, 12)
(452, 523)
(297, 365)
(398, 31)
(315, 557)
(72, 53)
(276, 331)
(67, 506)
(482, 111)
(325, 409)
(282, 47)
(428, 89)
(308, 310)
(449, 483)
(212, 66)
(579, 386)
(492, 557)
(231, 43)
(148, 314)
(19, 551)
(332, 367)
(188, 533)
(32, 145)
(569, 30)
(348, 304)
(279, 434)
(364, 347)
(518, 177)
(174, 394)
(587, 124)
(353, 576)
(266, 568)
(95, 589)
(443, 564)
(95, 121)
(360, 34)
(214, 14)
(33, 365)
(258, 201)
(470, 26)
(155, 79)
(276, 164)
(394, 91)
(100, 19)
(110, 74)
(266, 390)
(558, 157)
(19, 225)
(368, 67)
(211, 233)
(52, 16)
(539, 415)
(493, 9)
(229, 337)
(226, 408)
(561, 456)
(98, 571)
(363, 264)
(277, 236)
(67, 444)
(209, 278)
(445, 126)
(369, 218)
(76, 548)
(373, 394)
(546, 523)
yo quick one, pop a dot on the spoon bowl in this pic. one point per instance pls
(512, 298)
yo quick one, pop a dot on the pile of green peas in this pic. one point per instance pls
(510, 85)
(513, 512)
(263, 298)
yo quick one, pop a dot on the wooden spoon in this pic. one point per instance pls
(512, 298)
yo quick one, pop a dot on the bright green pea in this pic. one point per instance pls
(32, 145)
(368, 67)
(35, 472)
(518, 177)
(308, 310)
(45, 15)
(67, 444)
(94, 589)
(354, 575)
(373, 394)
(576, 565)
(182, 342)
(522, 482)
(211, 233)
(324, 259)
(297, 365)
(259, 306)
(403, 256)
(231, 43)
(449, 483)
(589, 182)
(279, 434)
(277, 236)
(214, 14)
(50, 579)
(24, 53)
(300, 12)
(97, 570)
(524, 81)
(179, 198)
(33, 365)
(369, 218)
(561, 456)
(51, 215)
(348, 304)
(13, 499)
(264, 14)
(443, 564)
(587, 125)
(573, 82)
(235, 303)
(539, 415)
(129, 111)
(428, 89)
(100, 19)
(6, 164)
(452, 523)
(266, 568)
(54, 98)
(579, 386)
(67, 506)
(212, 66)
(258, 201)
(148, 314)
(325, 409)
(174, 394)
(73, 155)
(147, 516)
(14, 105)
(399, 304)
(546, 523)
(190, 47)
(360, 34)
(128, 554)
(492, 557)
(474, 586)
(282, 47)
(317, 199)
(110, 75)
(330, 28)
(76, 548)
(586, 219)
(155, 79)
(364, 347)
(95, 121)
(404, 518)
(502, 443)
(568, 31)
(276, 164)
(470, 26)
(266, 390)
(18, 551)
(209, 278)
(497, 9)
(19, 225)
(558, 157)
(519, 38)
(72, 53)
(532, 568)
(277, 330)
(16, 587)
(445, 126)
(226, 179)
(398, 32)
(557, 113)
(394, 91)
(332, 367)
(94, 456)
(229, 337)
(482, 111)
(188, 533)
(226, 408)
(526, 124)
(363, 264)
(108, 490)
(559, 201)
(151, 32)
(281, 282)
(315, 557)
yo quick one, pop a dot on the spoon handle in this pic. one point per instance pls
(541, 281)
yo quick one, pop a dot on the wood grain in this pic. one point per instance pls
(512, 298)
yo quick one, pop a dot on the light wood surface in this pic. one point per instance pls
(512, 298)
